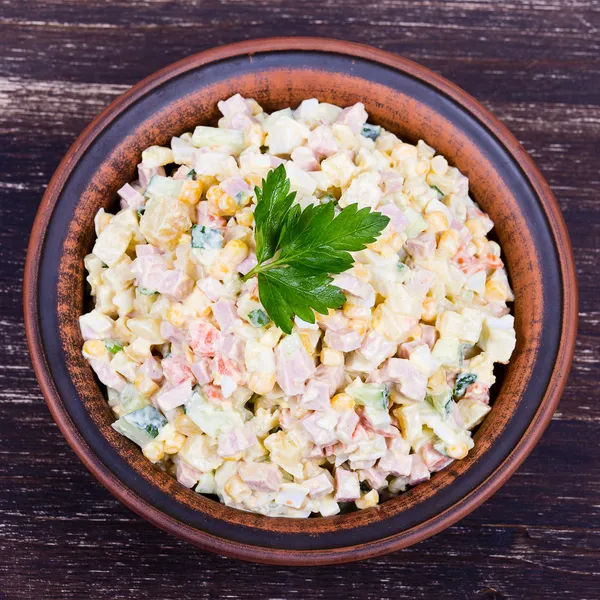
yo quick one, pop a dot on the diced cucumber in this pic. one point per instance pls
(215, 136)
(441, 401)
(210, 418)
(463, 381)
(258, 317)
(140, 426)
(164, 187)
(204, 237)
(374, 395)
(131, 400)
(440, 447)
(371, 131)
(113, 346)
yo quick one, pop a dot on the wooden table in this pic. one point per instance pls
(535, 64)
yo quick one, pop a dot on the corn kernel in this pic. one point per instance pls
(369, 499)
(174, 443)
(331, 358)
(207, 181)
(245, 217)
(429, 310)
(341, 402)
(495, 291)
(449, 242)
(186, 426)
(436, 221)
(154, 451)
(254, 135)
(144, 385)
(458, 451)
(439, 165)
(175, 315)
(359, 325)
(214, 193)
(261, 383)
(475, 226)
(94, 349)
(481, 246)
(234, 252)
(236, 488)
(228, 205)
(191, 191)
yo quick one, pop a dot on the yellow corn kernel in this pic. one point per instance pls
(496, 291)
(175, 315)
(207, 181)
(369, 499)
(253, 179)
(361, 272)
(236, 488)
(359, 325)
(354, 311)
(234, 252)
(191, 191)
(261, 383)
(397, 241)
(475, 226)
(415, 333)
(94, 349)
(481, 246)
(331, 358)
(307, 342)
(438, 379)
(458, 451)
(449, 242)
(245, 217)
(228, 205)
(144, 385)
(254, 135)
(429, 310)
(185, 425)
(154, 451)
(436, 221)
(341, 402)
(174, 443)
(235, 457)
(214, 193)
(197, 303)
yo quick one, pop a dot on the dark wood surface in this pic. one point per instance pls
(535, 64)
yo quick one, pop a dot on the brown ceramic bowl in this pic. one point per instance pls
(405, 98)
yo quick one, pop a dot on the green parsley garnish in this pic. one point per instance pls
(437, 189)
(191, 174)
(297, 250)
(463, 381)
(113, 346)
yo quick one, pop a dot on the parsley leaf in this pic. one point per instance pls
(288, 291)
(297, 250)
(273, 203)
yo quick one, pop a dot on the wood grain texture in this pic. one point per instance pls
(536, 64)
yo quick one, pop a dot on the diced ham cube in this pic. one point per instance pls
(176, 369)
(236, 105)
(321, 427)
(204, 338)
(187, 475)
(421, 246)
(305, 159)
(346, 426)
(434, 460)
(322, 141)
(172, 334)
(130, 197)
(429, 335)
(356, 287)
(176, 396)
(410, 381)
(232, 347)
(204, 217)
(376, 348)
(175, 285)
(236, 440)
(354, 116)
(225, 314)
(398, 222)
(261, 477)
(234, 186)
(145, 174)
(344, 340)
(347, 487)
(375, 477)
(293, 365)
(182, 172)
(247, 264)
(420, 282)
(201, 371)
(321, 387)
(213, 288)
(320, 485)
(408, 348)
(418, 471)
(151, 368)
(395, 463)
(107, 375)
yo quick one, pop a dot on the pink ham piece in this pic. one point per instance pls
(172, 334)
(320, 485)
(186, 475)
(147, 173)
(347, 487)
(182, 172)
(261, 477)
(420, 282)
(225, 314)
(247, 264)
(176, 369)
(344, 340)
(322, 142)
(354, 116)
(176, 396)
(293, 366)
(234, 186)
(408, 348)
(421, 246)
(376, 348)
(409, 380)
(398, 222)
(204, 338)
(429, 335)
(201, 371)
(107, 375)
(130, 197)
(375, 477)
(434, 460)
(392, 182)
(356, 287)
(305, 159)
(322, 386)
(152, 369)
(236, 440)
(175, 285)
(213, 288)
(346, 426)
(321, 427)
(237, 113)
(395, 463)
(418, 471)
(203, 217)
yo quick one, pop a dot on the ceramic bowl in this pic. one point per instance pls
(412, 102)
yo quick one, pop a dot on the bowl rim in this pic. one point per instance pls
(283, 556)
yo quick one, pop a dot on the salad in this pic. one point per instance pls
(297, 312)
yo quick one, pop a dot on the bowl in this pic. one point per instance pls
(412, 102)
